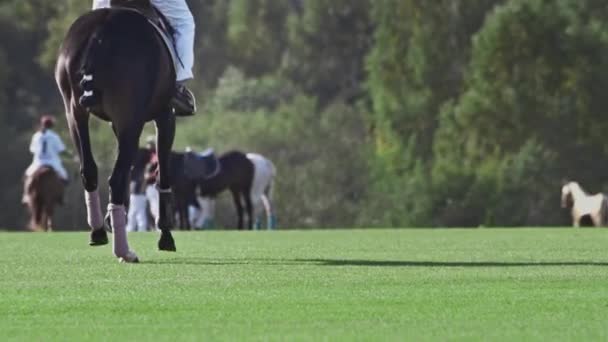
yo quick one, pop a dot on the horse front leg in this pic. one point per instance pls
(78, 122)
(239, 208)
(127, 148)
(249, 208)
(576, 219)
(165, 133)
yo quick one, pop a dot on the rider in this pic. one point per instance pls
(46, 146)
(180, 18)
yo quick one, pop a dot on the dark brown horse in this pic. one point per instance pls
(45, 191)
(235, 174)
(113, 64)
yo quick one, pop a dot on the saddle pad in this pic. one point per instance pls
(164, 33)
(197, 166)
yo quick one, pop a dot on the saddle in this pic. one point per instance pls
(156, 19)
(201, 165)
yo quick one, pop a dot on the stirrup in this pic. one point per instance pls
(183, 101)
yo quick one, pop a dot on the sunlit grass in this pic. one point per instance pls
(485, 284)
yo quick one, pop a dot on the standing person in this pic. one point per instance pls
(46, 147)
(151, 192)
(181, 20)
(137, 217)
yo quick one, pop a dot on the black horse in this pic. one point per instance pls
(114, 64)
(234, 172)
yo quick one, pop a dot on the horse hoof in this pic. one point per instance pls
(167, 247)
(129, 258)
(166, 244)
(99, 237)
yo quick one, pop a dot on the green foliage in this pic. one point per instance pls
(256, 34)
(328, 42)
(58, 26)
(211, 48)
(383, 113)
(531, 113)
(411, 75)
(237, 93)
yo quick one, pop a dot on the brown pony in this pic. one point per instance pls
(45, 190)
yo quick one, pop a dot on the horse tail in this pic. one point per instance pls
(604, 211)
(96, 50)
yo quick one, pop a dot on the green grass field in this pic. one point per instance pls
(484, 284)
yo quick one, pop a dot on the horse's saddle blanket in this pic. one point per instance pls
(156, 19)
(201, 165)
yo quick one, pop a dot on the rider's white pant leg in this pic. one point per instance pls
(137, 216)
(101, 4)
(180, 17)
(61, 171)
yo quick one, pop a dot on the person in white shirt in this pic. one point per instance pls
(181, 20)
(137, 216)
(46, 147)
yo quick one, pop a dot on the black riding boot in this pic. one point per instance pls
(183, 101)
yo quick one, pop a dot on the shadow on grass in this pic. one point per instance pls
(221, 261)
(395, 263)
(366, 263)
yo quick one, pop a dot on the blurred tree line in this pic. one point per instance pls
(376, 113)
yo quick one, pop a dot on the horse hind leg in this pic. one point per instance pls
(78, 122)
(128, 137)
(50, 211)
(49, 223)
(36, 214)
(45, 219)
(165, 133)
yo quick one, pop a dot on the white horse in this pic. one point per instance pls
(261, 197)
(581, 204)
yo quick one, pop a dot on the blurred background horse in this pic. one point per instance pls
(259, 194)
(45, 191)
(586, 210)
(201, 177)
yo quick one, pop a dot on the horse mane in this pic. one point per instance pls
(575, 188)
